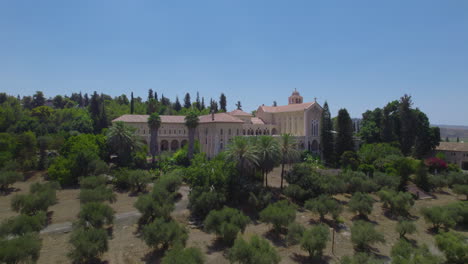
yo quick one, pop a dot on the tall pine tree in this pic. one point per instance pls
(197, 102)
(177, 105)
(344, 128)
(150, 94)
(187, 102)
(407, 133)
(326, 137)
(222, 102)
(132, 104)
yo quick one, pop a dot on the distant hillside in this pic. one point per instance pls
(453, 132)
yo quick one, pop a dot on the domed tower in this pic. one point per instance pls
(295, 98)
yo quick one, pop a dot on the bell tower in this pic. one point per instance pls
(295, 98)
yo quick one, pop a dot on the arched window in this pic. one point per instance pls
(221, 131)
(315, 128)
(229, 132)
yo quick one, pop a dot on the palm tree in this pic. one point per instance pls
(191, 121)
(288, 152)
(122, 141)
(154, 123)
(241, 151)
(268, 151)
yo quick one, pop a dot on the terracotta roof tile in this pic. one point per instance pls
(453, 146)
(238, 112)
(257, 121)
(144, 119)
(220, 118)
(286, 108)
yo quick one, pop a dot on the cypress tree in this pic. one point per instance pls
(150, 94)
(177, 105)
(344, 139)
(222, 102)
(156, 96)
(132, 105)
(94, 109)
(86, 100)
(197, 102)
(203, 103)
(187, 103)
(326, 137)
(406, 125)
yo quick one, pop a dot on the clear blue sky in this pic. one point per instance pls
(354, 54)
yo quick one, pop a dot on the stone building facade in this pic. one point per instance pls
(455, 153)
(302, 120)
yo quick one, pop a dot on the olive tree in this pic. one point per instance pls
(226, 223)
(164, 233)
(279, 214)
(257, 250)
(363, 235)
(88, 244)
(361, 203)
(315, 240)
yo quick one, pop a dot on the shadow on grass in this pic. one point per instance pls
(276, 238)
(363, 218)
(217, 246)
(299, 258)
(154, 256)
(8, 191)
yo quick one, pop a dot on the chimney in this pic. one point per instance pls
(212, 115)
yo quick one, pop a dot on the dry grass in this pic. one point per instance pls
(126, 247)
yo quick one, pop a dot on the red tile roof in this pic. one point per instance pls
(238, 112)
(144, 119)
(453, 146)
(286, 108)
(257, 121)
(220, 118)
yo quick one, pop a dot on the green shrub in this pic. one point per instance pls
(171, 181)
(203, 200)
(226, 223)
(461, 190)
(96, 215)
(7, 178)
(295, 192)
(454, 246)
(386, 180)
(164, 233)
(138, 180)
(23, 224)
(92, 182)
(439, 216)
(405, 227)
(184, 256)
(358, 182)
(295, 232)
(21, 249)
(403, 252)
(120, 180)
(88, 245)
(279, 214)
(324, 205)
(398, 203)
(258, 250)
(261, 200)
(157, 204)
(41, 196)
(315, 240)
(99, 194)
(364, 235)
(361, 203)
